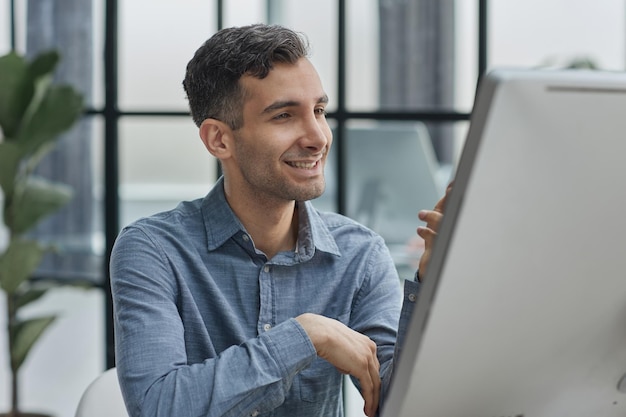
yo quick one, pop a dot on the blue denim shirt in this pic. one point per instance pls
(204, 322)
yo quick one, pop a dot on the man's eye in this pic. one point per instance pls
(321, 112)
(281, 116)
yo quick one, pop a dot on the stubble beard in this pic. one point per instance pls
(283, 190)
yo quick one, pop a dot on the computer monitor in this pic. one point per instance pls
(523, 308)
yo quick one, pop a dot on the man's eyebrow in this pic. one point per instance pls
(290, 103)
(280, 105)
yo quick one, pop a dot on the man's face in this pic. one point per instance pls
(281, 149)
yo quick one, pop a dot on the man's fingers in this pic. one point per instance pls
(426, 233)
(375, 373)
(367, 390)
(441, 204)
(431, 218)
(370, 382)
(370, 387)
(349, 351)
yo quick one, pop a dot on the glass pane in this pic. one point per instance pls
(78, 36)
(465, 54)
(98, 22)
(76, 230)
(557, 33)
(362, 55)
(162, 162)
(244, 12)
(392, 172)
(157, 39)
(411, 55)
(5, 26)
(317, 20)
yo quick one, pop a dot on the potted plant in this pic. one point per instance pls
(33, 112)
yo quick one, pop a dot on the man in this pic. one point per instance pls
(249, 301)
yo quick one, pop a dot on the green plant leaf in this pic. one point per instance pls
(43, 64)
(16, 92)
(25, 334)
(29, 296)
(59, 108)
(9, 164)
(39, 199)
(18, 262)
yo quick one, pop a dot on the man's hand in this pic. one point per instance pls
(433, 219)
(349, 351)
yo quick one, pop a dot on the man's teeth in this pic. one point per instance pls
(304, 165)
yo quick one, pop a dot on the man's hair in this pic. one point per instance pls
(212, 77)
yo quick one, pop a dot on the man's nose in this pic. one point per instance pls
(315, 134)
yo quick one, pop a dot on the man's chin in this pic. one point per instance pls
(311, 194)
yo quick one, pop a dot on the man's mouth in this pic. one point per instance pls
(304, 165)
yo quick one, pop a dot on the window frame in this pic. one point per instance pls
(111, 115)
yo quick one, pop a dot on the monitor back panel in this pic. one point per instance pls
(523, 309)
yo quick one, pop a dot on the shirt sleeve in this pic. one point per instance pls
(411, 289)
(154, 373)
(382, 313)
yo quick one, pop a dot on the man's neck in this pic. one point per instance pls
(273, 226)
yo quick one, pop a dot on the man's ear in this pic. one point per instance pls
(217, 138)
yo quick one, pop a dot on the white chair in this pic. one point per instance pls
(102, 398)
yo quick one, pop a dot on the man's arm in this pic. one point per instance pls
(156, 377)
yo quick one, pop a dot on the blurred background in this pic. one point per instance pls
(401, 76)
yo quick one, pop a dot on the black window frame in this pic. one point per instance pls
(111, 115)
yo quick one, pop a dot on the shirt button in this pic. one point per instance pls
(254, 413)
(245, 238)
(267, 326)
(266, 268)
(412, 297)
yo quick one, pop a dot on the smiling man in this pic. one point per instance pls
(249, 301)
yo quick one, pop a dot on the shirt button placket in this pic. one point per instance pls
(265, 313)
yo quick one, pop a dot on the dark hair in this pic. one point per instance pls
(212, 77)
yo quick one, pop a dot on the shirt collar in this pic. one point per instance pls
(221, 224)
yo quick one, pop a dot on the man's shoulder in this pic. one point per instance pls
(341, 224)
(187, 215)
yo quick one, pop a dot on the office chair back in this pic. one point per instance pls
(102, 398)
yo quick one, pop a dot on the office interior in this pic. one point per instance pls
(401, 77)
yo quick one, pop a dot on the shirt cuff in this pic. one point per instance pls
(289, 343)
(411, 290)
